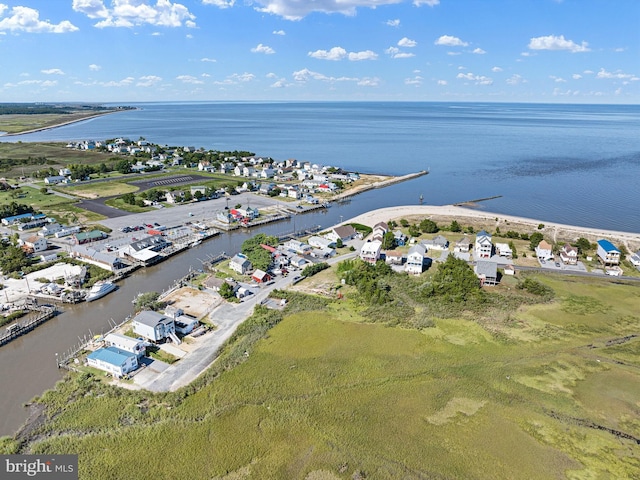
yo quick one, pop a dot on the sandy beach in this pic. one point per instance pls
(557, 231)
(61, 124)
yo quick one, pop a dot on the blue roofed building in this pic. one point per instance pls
(608, 254)
(114, 360)
(24, 217)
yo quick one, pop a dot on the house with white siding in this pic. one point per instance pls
(370, 251)
(113, 360)
(415, 259)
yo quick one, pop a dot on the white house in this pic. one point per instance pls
(437, 243)
(128, 344)
(50, 229)
(154, 326)
(483, 246)
(55, 179)
(463, 245)
(569, 254)
(113, 360)
(298, 246)
(635, 259)
(370, 251)
(321, 242)
(504, 250)
(379, 230)
(607, 253)
(343, 232)
(544, 250)
(35, 243)
(240, 264)
(415, 259)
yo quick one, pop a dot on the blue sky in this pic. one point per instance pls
(568, 51)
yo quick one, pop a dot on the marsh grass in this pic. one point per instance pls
(319, 390)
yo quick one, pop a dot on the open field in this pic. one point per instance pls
(100, 190)
(551, 392)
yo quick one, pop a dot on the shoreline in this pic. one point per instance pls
(389, 213)
(63, 124)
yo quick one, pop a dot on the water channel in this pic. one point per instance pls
(28, 364)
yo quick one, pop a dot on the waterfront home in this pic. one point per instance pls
(343, 233)
(322, 252)
(483, 245)
(607, 253)
(544, 250)
(503, 250)
(128, 344)
(370, 251)
(240, 264)
(415, 259)
(298, 246)
(185, 324)
(379, 231)
(393, 257)
(437, 243)
(95, 257)
(569, 254)
(113, 360)
(154, 326)
(34, 243)
(487, 272)
(463, 245)
(635, 259)
(260, 276)
(321, 242)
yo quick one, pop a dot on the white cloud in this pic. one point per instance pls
(395, 52)
(25, 19)
(527, 54)
(189, 79)
(454, 53)
(617, 75)
(588, 72)
(94, 68)
(156, 34)
(281, 83)
(406, 42)
(368, 82)
(52, 71)
(242, 77)
(394, 23)
(297, 9)
(417, 80)
(478, 51)
(129, 13)
(220, 3)
(364, 55)
(516, 79)
(260, 48)
(305, 75)
(206, 59)
(477, 79)
(122, 83)
(336, 53)
(205, 75)
(148, 81)
(557, 79)
(279, 32)
(49, 83)
(404, 55)
(619, 49)
(554, 42)
(450, 41)
(496, 69)
(442, 82)
(576, 76)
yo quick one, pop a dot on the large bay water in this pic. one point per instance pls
(576, 164)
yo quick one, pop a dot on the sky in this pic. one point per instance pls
(546, 51)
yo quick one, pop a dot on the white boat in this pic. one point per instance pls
(196, 243)
(99, 290)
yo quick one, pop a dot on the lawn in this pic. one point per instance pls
(100, 189)
(328, 394)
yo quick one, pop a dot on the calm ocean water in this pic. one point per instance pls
(576, 164)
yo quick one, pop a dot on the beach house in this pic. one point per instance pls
(544, 250)
(487, 272)
(240, 264)
(113, 360)
(569, 254)
(154, 326)
(343, 233)
(483, 246)
(415, 259)
(370, 251)
(128, 344)
(607, 253)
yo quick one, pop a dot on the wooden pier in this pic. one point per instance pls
(42, 314)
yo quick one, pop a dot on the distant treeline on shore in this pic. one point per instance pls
(51, 108)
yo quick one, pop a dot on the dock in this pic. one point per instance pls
(42, 313)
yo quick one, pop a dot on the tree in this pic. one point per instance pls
(44, 190)
(226, 291)
(148, 301)
(535, 240)
(198, 195)
(339, 243)
(129, 198)
(514, 252)
(404, 222)
(414, 231)
(429, 226)
(388, 241)
(187, 196)
(13, 259)
(455, 226)
(583, 245)
(454, 281)
(123, 166)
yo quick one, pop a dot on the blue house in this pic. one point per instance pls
(23, 217)
(114, 360)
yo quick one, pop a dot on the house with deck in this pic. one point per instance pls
(463, 245)
(544, 251)
(240, 264)
(370, 251)
(128, 344)
(504, 250)
(343, 233)
(607, 253)
(483, 245)
(487, 272)
(569, 254)
(154, 326)
(379, 231)
(415, 259)
(113, 360)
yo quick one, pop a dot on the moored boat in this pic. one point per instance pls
(99, 290)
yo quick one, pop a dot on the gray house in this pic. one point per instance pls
(487, 272)
(154, 326)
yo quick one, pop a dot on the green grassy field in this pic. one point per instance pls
(17, 123)
(549, 393)
(100, 189)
